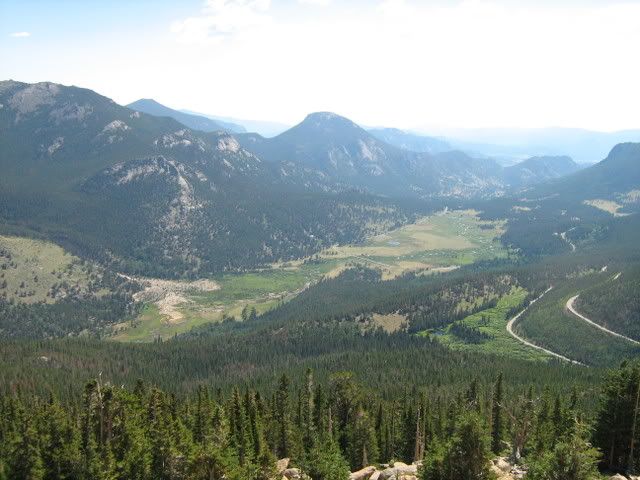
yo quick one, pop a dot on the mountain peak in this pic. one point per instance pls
(319, 119)
(625, 149)
(144, 101)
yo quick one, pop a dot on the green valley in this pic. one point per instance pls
(434, 244)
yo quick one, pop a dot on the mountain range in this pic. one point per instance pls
(515, 144)
(149, 195)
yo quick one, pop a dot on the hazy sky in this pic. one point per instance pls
(409, 64)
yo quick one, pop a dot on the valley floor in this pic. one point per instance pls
(438, 243)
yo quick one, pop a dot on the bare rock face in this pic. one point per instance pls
(502, 464)
(400, 471)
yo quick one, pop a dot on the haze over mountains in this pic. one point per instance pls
(507, 146)
(197, 122)
(513, 144)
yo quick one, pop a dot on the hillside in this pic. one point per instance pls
(147, 195)
(539, 170)
(195, 122)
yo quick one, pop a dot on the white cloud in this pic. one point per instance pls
(220, 18)
(320, 3)
(20, 34)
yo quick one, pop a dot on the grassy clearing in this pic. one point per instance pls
(262, 290)
(608, 206)
(38, 271)
(437, 243)
(390, 323)
(493, 321)
(441, 240)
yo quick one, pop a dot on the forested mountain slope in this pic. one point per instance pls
(395, 163)
(538, 170)
(349, 155)
(593, 205)
(145, 194)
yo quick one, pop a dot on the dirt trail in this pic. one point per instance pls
(512, 322)
(571, 307)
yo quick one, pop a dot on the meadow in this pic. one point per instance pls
(437, 243)
(34, 271)
(492, 322)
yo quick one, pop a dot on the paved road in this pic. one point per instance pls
(512, 322)
(572, 309)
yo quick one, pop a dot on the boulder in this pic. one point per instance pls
(502, 464)
(618, 477)
(376, 475)
(282, 465)
(292, 474)
(364, 474)
(500, 474)
(399, 471)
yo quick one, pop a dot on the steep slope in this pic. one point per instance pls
(410, 141)
(195, 122)
(147, 195)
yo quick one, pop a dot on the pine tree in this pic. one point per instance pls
(61, 444)
(496, 416)
(614, 433)
(27, 461)
(464, 456)
(361, 440)
(239, 434)
(283, 419)
(307, 413)
(571, 459)
(326, 462)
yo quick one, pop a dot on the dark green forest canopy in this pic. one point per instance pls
(326, 427)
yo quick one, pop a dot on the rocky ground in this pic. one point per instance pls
(500, 467)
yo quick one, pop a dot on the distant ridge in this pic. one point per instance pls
(195, 122)
(411, 141)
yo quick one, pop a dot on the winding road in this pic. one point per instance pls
(571, 307)
(512, 322)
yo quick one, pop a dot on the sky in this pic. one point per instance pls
(401, 63)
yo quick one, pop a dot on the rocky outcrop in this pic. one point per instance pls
(294, 474)
(364, 474)
(504, 470)
(282, 465)
(397, 471)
